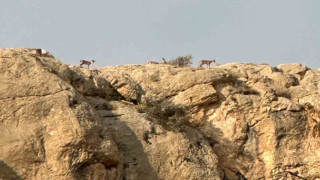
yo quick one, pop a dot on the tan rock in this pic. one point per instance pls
(234, 121)
(296, 69)
(48, 130)
(197, 95)
(57, 122)
(311, 77)
(283, 79)
(159, 81)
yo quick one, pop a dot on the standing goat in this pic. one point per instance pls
(207, 62)
(88, 63)
(164, 61)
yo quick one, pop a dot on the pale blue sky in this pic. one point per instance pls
(135, 31)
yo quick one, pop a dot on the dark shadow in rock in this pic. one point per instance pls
(6, 172)
(136, 161)
(229, 153)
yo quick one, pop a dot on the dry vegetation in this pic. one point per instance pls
(182, 61)
(166, 112)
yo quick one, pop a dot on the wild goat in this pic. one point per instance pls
(207, 62)
(152, 62)
(88, 63)
(164, 61)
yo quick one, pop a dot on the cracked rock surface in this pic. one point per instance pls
(235, 121)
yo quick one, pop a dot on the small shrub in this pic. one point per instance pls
(182, 61)
(285, 94)
(250, 92)
(136, 93)
(264, 63)
(169, 114)
(142, 108)
(276, 69)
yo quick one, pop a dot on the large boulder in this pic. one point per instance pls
(197, 95)
(296, 69)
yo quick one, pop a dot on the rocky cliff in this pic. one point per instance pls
(235, 121)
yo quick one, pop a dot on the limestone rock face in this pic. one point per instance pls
(66, 122)
(234, 121)
(159, 81)
(48, 130)
(260, 121)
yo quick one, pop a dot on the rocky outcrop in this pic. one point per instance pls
(48, 129)
(235, 121)
(261, 121)
(63, 122)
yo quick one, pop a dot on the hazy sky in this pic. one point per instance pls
(136, 31)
